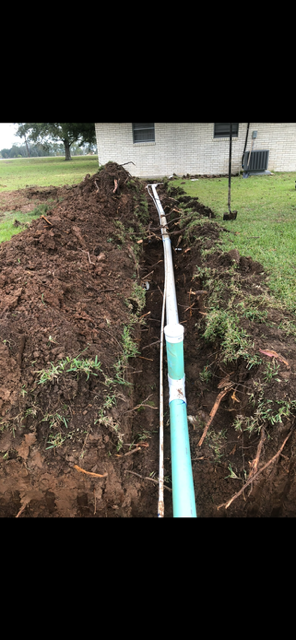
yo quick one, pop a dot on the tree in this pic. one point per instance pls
(67, 133)
(5, 153)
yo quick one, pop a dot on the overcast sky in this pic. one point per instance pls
(7, 135)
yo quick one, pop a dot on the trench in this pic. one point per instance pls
(208, 462)
(146, 370)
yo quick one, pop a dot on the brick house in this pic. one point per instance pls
(161, 149)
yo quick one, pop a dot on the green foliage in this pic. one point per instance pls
(271, 371)
(129, 347)
(67, 133)
(216, 442)
(205, 375)
(55, 420)
(70, 365)
(55, 440)
(232, 474)
(138, 295)
(267, 412)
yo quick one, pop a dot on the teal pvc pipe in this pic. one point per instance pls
(182, 478)
(175, 356)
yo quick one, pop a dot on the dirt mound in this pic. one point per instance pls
(67, 286)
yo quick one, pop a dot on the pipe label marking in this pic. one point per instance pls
(177, 389)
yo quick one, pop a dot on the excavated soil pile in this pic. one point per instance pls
(67, 294)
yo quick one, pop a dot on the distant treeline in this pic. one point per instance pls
(38, 150)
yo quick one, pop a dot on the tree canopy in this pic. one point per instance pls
(67, 133)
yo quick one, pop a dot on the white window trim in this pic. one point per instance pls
(224, 139)
(144, 144)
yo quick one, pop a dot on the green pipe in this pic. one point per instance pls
(182, 478)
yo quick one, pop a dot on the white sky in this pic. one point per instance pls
(7, 135)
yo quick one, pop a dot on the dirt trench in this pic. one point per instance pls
(85, 284)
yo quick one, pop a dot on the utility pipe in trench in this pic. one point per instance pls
(182, 478)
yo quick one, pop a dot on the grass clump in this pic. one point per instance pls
(70, 365)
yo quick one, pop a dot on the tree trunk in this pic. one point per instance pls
(28, 152)
(67, 150)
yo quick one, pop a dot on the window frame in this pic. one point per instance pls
(225, 133)
(137, 128)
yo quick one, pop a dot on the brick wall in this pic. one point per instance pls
(191, 148)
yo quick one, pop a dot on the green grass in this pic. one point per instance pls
(75, 366)
(265, 225)
(18, 173)
(7, 228)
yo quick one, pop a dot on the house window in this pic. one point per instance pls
(143, 132)
(222, 129)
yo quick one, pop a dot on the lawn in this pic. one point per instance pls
(265, 226)
(19, 173)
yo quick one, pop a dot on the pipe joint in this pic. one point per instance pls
(177, 389)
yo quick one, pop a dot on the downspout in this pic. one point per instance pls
(246, 142)
(182, 478)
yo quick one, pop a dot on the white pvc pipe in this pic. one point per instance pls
(171, 299)
(182, 477)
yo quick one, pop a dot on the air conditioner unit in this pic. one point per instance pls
(258, 161)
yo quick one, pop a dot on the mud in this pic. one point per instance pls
(68, 292)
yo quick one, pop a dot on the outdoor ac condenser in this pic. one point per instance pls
(258, 161)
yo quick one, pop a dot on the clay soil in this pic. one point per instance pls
(67, 288)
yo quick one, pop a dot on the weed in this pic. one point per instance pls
(31, 411)
(205, 375)
(271, 371)
(215, 442)
(144, 435)
(138, 295)
(232, 474)
(288, 327)
(23, 391)
(120, 235)
(255, 315)
(107, 421)
(55, 440)
(50, 374)
(55, 420)
(238, 423)
(109, 402)
(129, 347)
(266, 412)
(86, 366)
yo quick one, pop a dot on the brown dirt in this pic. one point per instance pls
(67, 289)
